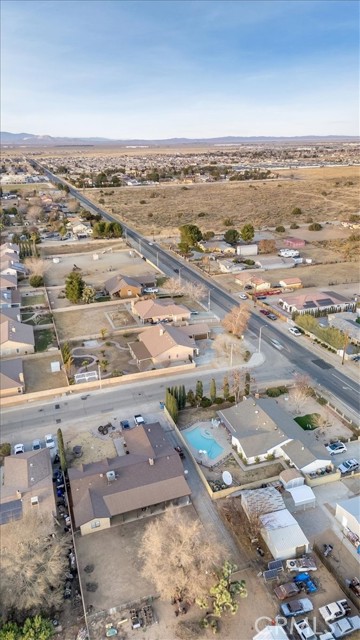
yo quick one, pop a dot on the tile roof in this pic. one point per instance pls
(11, 374)
(159, 339)
(148, 309)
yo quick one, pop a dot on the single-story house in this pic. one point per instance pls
(217, 246)
(260, 427)
(15, 337)
(161, 344)
(123, 287)
(294, 243)
(11, 377)
(9, 298)
(247, 249)
(275, 262)
(9, 248)
(11, 267)
(8, 282)
(348, 514)
(82, 229)
(228, 266)
(283, 535)
(256, 282)
(317, 301)
(114, 490)
(293, 283)
(157, 310)
(27, 485)
(346, 322)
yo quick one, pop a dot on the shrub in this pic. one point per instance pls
(296, 211)
(205, 402)
(247, 356)
(249, 262)
(36, 281)
(142, 201)
(231, 399)
(257, 460)
(309, 219)
(282, 389)
(280, 228)
(321, 400)
(219, 400)
(201, 214)
(294, 225)
(315, 226)
(228, 222)
(5, 449)
(273, 392)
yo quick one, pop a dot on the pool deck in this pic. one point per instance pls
(219, 434)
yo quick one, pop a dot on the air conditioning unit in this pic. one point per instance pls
(111, 476)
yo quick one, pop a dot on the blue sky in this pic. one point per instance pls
(134, 69)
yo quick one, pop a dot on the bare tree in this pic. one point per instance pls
(195, 291)
(36, 266)
(236, 321)
(298, 397)
(32, 565)
(179, 556)
(227, 345)
(174, 287)
(237, 383)
(34, 213)
(73, 205)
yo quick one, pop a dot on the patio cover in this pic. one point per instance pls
(303, 496)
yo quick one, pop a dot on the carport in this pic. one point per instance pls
(303, 496)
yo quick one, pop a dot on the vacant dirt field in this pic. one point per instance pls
(88, 321)
(96, 272)
(324, 194)
(82, 246)
(38, 376)
(241, 476)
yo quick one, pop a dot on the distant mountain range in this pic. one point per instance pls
(30, 140)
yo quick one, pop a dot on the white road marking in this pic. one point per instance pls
(349, 385)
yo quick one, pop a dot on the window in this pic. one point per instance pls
(95, 524)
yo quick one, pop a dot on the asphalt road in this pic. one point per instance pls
(333, 380)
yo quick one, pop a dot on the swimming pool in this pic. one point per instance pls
(202, 442)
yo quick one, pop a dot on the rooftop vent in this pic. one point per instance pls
(110, 476)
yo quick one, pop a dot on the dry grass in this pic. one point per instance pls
(88, 321)
(264, 203)
(38, 376)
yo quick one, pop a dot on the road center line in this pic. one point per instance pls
(342, 381)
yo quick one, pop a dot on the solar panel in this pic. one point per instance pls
(271, 574)
(276, 564)
(10, 511)
(325, 302)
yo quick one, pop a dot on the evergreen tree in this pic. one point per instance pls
(190, 398)
(212, 390)
(61, 449)
(74, 287)
(226, 388)
(199, 390)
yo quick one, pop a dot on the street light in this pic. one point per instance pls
(263, 326)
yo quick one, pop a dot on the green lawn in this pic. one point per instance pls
(307, 422)
(44, 339)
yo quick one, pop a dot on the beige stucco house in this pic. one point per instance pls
(147, 479)
(162, 344)
(157, 310)
(15, 338)
(11, 377)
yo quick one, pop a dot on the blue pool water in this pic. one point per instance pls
(200, 442)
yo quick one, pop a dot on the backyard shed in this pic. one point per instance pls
(303, 496)
(271, 633)
(283, 536)
(291, 478)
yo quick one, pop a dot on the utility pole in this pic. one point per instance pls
(209, 300)
(346, 341)
(99, 372)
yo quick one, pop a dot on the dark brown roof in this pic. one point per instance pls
(25, 470)
(137, 483)
(115, 284)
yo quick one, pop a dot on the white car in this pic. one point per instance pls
(336, 447)
(294, 331)
(243, 296)
(276, 344)
(19, 448)
(348, 466)
(49, 441)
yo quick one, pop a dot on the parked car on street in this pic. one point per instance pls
(49, 441)
(19, 448)
(265, 312)
(348, 466)
(272, 316)
(294, 331)
(243, 296)
(336, 447)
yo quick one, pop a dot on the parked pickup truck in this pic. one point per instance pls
(306, 563)
(296, 607)
(345, 626)
(139, 420)
(304, 630)
(335, 610)
(284, 591)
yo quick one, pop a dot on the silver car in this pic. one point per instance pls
(348, 466)
(36, 445)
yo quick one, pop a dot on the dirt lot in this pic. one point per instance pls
(81, 246)
(319, 275)
(95, 446)
(38, 376)
(96, 272)
(241, 476)
(89, 320)
(265, 203)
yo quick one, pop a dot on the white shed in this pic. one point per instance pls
(291, 478)
(271, 633)
(283, 535)
(348, 514)
(303, 496)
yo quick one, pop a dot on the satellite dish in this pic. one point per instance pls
(227, 478)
